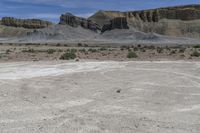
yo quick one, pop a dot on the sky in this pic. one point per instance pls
(52, 9)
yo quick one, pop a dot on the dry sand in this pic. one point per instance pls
(100, 97)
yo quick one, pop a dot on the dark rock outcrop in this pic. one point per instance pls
(25, 23)
(116, 23)
(75, 21)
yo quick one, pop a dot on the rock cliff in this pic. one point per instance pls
(75, 21)
(181, 21)
(116, 23)
(185, 13)
(25, 23)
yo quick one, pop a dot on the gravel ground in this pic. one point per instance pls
(100, 97)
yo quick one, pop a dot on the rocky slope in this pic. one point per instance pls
(8, 31)
(25, 23)
(116, 23)
(60, 33)
(180, 21)
(74, 21)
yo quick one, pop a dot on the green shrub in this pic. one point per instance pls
(150, 47)
(68, 56)
(73, 50)
(58, 44)
(195, 54)
(92, 50)
(196, 46)
(29, 51)
(8, 51)
(160, 49)
(135, 48)
(173, 52)
(102, 49)
(51, 51)
(82, 50)
(80, 45)
(182, 50)
(132, 54)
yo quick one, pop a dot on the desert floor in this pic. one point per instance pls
(100, 97)
(41, 52)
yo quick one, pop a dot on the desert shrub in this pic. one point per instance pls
(82, 50)
(173, 52)
(29, 51)
(142, 50)
(196, 46)
(68, 56)
(167, 48)
(110, 49)
(182, 50)
(102, 49)
(151, 47)
(8, 51)
(80, 44)
(135, 48)
(160, 49)
(86, 45)
(73, 50)
(125, 47)
(51, 51)
(177, 47)
(92, 50)
(58, 44)
(132, 54)
(195, 54)
(60, 50)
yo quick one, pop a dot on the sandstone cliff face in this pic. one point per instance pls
(104, 17)
(116, 23)
(25, 23)
(186, 13)
(74, 21)
(181, 21)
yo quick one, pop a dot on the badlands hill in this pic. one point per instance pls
(177, 25)
(179, 21)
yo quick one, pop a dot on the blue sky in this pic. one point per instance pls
(52, 9)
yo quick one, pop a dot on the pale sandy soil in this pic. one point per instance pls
(100, 97)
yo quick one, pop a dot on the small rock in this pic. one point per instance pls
(118, 91)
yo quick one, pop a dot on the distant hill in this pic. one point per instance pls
(25, 23)
(180, 21)
(170, 25)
